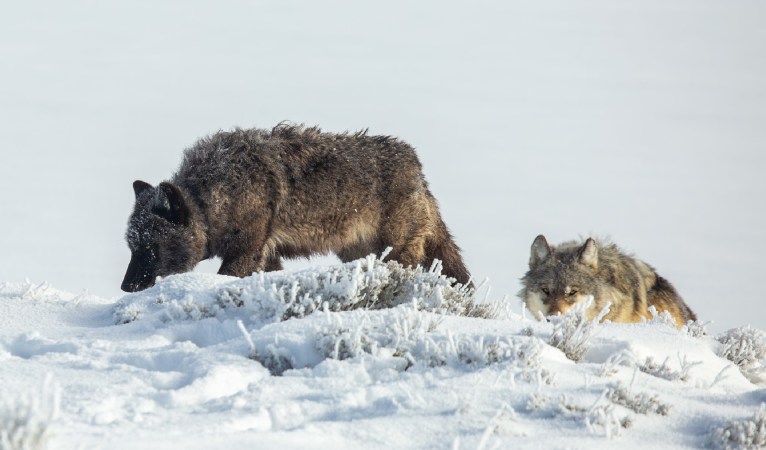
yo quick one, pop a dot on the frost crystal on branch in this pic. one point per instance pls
(665, 371)
(572, 331)
(640, 403)
(743, 434)
(745, 347)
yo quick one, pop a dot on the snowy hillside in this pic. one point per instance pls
(361, 355)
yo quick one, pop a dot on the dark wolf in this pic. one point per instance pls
(255, 196)
(562, 276)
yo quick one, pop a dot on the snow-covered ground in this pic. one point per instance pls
(641, 121)
(207, 361)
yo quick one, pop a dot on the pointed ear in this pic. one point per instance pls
(140, 187)
(540, 251)
(589, 254)
(169, 204)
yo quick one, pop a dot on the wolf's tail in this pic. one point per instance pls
(664, 297)
(441, 246)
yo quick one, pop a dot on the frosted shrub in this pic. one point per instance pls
(536, 401)
(367, 283)
(649, 366)
(743, 434)
(572, 331)
(602, 418)
(25, 421)
(745, 347)
(640, 403)
(397, 331)
(276, 359)
(409, 334)
(665, 371)
(661, 318)
(695, 328)
(609, 367)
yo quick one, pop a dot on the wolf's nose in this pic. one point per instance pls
(131, 286)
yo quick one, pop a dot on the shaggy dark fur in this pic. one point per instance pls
(255, 196)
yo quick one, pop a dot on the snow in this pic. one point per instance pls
(642, 122)
(201, 361)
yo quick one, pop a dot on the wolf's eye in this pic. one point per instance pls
(573, 292)
(546, 291)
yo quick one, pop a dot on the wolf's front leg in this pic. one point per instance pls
(246, 264)
(238, 266)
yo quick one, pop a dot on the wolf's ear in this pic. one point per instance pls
(139, 187)
(589, 254)
(169, 204)
(540, 251)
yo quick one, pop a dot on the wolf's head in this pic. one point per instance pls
(160, 236)
(560, 277)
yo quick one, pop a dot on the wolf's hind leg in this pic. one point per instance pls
(405, 230)
(273, 263)
(411, 253)
(360, 250)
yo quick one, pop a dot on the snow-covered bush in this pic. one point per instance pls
(609, 367)
(695, 328)
(603, 418)
(640, 403)
(403, 336)
(276, 359)
(409, 334)
(368, 283)
(372, 333)
(572, 331)
(661, 318)
(599, 418)
(745, 347)
(648, 366)
(663, 370)
(743, 434)
(25, 421)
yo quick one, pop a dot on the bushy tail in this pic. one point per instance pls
(441, 246)
(664, 296)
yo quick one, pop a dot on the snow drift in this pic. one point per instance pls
(360, 354)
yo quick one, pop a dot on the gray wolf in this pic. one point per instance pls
(560, 277)
(254, 196)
